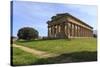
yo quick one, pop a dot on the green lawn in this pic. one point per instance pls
(74, 50)
(22, 58)
(62, 46)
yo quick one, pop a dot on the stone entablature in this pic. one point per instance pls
(65, 25)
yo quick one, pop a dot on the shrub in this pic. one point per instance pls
(95, 35)
(27, 33)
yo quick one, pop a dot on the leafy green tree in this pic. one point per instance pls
(27, 33)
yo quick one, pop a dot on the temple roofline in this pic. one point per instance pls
(67, 14)
(79, 20)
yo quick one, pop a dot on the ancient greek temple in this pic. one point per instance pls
(67, 26)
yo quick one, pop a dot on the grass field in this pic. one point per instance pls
(74, 50)
(22, 58)
(62, 45)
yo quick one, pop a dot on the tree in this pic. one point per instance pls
(95, 33)
(27, 33)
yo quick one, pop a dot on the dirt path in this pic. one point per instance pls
(41, 54)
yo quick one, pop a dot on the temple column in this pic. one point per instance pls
(56, 29)
(89, 33)
(49, 31)
(86, 33)
(77, 31)
(81, 32)
(59, 28)
(68, 30)
(52, 31)
(64, 28)
(73, 30)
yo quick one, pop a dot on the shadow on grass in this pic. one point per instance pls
(69, 58)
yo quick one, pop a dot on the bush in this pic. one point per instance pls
(27, 33)
(95, 35)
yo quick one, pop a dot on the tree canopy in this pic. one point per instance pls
(27, 33)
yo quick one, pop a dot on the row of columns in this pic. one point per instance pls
(69, 29)
(75, 30)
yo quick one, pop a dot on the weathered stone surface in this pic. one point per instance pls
(67, 26)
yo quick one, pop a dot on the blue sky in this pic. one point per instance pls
(35, 14)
